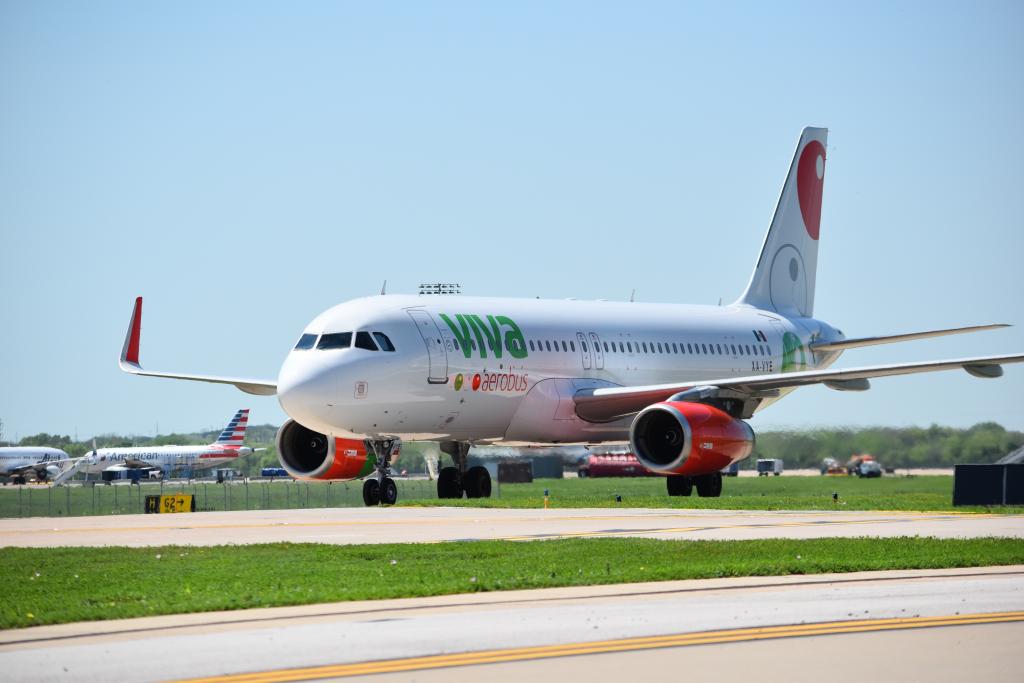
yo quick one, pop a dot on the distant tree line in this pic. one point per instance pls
(900, 447)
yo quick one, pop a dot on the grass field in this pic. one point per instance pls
(922, 493)
(59, 585)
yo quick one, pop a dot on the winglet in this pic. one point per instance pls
(130, 350)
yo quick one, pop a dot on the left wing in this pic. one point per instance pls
(602, 405)
(129, 363)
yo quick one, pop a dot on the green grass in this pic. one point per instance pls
(59, 585)
(923, 493)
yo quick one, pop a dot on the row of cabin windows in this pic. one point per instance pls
(343, 340)
(696, 348)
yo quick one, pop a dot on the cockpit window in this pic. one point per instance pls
(365, 341)
(306, 341)
(335, 340)
(385, 344)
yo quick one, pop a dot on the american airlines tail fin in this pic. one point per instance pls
(783, 278)
(234, 433)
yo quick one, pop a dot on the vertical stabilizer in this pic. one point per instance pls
(234, 433)
(783, 278)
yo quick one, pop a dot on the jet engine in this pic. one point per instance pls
(678, 437)
(47, 473)
(306, 454)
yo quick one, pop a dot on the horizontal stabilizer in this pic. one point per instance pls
(891, 339)
(129, 363)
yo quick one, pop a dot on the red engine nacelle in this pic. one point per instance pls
(306, 454)
(678, 437)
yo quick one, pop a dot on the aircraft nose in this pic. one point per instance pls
(306, 391)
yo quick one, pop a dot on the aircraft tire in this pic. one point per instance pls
(478, 482)
(709, 485)
(371, 492)
(679, 485)
(448, 483)
(388, 492)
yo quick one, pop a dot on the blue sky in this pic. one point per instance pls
(244, 166)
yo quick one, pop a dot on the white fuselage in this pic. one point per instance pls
(520, 389)
(13, 458)
(166, 458)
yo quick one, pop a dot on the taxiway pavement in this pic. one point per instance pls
(428, 525)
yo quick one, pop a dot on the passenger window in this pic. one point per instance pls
(719, 349)
(335, 340)
(455, 343)
(606, 347)
(565, 347)
(629, 345)
(548, 345)
(659, 347)
(645, 347)
(572, 346)
(704, 347)
(365, 341)
(385, 343)
(733, 349)
(583, 344)
(306, 341)
(675, 349)
(531, 345)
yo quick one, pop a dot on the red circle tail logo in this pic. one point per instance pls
(810, 179)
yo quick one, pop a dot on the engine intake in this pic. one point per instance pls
(678, 437)
(306, 454)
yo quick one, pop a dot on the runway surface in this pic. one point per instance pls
(406, 525)
(935, 625)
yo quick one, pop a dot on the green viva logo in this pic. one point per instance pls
(498, 333)
(793, 356)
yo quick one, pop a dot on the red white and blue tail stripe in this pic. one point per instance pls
(234, 433)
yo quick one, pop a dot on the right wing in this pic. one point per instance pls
(130, 363)
(893, 338)
(610, 403)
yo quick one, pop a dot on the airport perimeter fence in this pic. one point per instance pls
(77, 500)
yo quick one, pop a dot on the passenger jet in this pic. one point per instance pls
(227, 448)
(678, 382)
(41, 463)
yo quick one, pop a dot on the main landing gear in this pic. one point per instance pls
(380, 489)
(453, 481)
(708, 485)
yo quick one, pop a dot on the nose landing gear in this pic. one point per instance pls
(381, 489)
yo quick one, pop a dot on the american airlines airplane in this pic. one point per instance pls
(676, 381)
(227, 448)
(37, 462)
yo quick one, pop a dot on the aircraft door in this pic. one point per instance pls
(584, 350)
(438, 373)
(598, 353)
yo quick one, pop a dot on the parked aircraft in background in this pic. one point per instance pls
(676, 381)
(22, 463)
(227, 448)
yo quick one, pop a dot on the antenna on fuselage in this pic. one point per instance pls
(384, 288)
(632, 297)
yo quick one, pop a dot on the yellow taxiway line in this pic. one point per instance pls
(598, 647)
